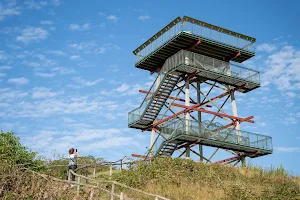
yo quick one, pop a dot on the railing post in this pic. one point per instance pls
(92, 194)
(69, 175)
(86, 174)
(99, 190)
(94, 172)
(121, 196)
(112, 191)
(78, 186)
(110, 170)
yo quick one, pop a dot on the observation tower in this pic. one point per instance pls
(197, 79)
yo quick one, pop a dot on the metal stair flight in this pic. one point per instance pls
(154, 101)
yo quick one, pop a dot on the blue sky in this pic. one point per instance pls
(68, 79)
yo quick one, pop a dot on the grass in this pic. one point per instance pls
(185, 179)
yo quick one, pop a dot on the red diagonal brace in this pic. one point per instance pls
(191, 75)
(140, 156)
(194, 45)
(233, 56)
(214, 113)
(188, 144)
(229, 159)
(175, 115)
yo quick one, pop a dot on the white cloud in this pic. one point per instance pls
(63, 70)
(77, 27)
(287, 149)
(5, 67)
(56, 52)
(46, 75)
(32, 34)
(35, 4)
(47, 22)
(18, 81)
(291, 94)
(2, 74)
(283, 69)
(8, 12)
(144, 17)
(42, 92)
(113, 18)
(3, 56)
(266, 47)
(83, 82)
(11, 95)
(75, 57)
(122, 88)
(74, 27)
(85, 26)
(56, 2)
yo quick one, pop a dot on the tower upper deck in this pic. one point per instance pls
(196, 36)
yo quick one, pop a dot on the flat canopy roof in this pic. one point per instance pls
(218, 29)
(183, 40)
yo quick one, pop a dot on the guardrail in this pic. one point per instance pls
(197, 28)
(112, 193)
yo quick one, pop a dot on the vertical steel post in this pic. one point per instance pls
(187, 115)
(237, 127)
(199, 120)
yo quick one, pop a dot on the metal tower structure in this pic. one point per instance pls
(186, 106)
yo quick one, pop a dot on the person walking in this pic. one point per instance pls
(72, 161)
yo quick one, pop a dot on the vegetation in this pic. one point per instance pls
(24, 175)
(186, 179)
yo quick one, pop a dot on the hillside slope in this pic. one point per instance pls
(186, 179)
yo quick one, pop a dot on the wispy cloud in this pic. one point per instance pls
(46, 75)
(75, 57)
(266, 47)
(18, 81)
(2, 74)
(4, 12)
(42, 92)
(287, 149)
(32, 34)
(83, 82)
(283, 69)
(113, 18)
(63, 70)
(144, 17)
(47, 22)
(5, 67)
(78, 27)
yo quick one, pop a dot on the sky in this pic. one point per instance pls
(67, 75)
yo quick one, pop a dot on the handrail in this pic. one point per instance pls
(173, 30)
(194, 60)
(116, 183)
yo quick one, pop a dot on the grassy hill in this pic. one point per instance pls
(186, 179)
(172, 178)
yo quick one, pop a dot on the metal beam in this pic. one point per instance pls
(194, 108)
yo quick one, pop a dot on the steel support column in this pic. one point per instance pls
(199, 120)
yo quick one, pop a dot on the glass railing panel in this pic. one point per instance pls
(218, 66)
(195, 29)
(227, 135)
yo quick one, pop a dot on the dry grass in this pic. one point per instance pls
(185, 179)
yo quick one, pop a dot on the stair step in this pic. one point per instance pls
(150, 114)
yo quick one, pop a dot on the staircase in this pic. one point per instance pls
(166, 149)
(154, 101)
